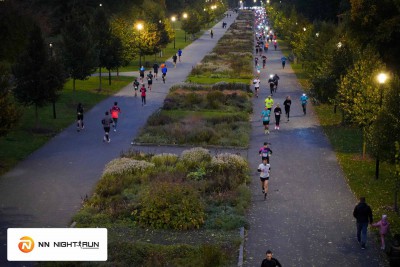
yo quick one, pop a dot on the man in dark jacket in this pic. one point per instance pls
(363, 214)
(269, 261)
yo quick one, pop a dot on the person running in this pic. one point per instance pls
(115, 110)
(255, 61)
(269, 261)
(256, 83)
(212, 34)
(136, 86)
(283, 59)
(164, 72)
(266, 47)
(275, 44)
(265, 152)
(174, 59)
(264, 61)
(155, 69)
(265, 115)
(149, 80)
(277, 112)
(79, 118)
(287, 103)
(143, 94)
(271, 83)
(276, 79)
(179, 54)
(303, 100)
(106, 121)
(269, 102)
(141, 73)
(257, 47)
(264, 170)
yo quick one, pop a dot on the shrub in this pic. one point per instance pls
(160, 118)
(195, 157)
(171, 206)
(165, 159)
(121, 166)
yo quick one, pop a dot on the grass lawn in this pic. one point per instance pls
(26, 137)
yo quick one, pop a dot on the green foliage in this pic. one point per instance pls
(195, 157)
(164, 159)
(171, 206)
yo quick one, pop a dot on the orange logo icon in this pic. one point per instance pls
(26, 245)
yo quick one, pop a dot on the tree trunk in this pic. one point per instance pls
(117, 74)
(54, 110)
(364, 145)
(109, 77)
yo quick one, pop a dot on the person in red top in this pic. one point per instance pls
(115, 110)
(143, 94)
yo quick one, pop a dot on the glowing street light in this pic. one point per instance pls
(185, 16)
(339, 45)
(317, 34)
(304, 29)
(139, 27)
(173, 19)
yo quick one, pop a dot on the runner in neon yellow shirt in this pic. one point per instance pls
(269, 102)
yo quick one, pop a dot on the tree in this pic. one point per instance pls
(80, 56)
(9, 114)
(359, 94)
(30, 75)
(192, 24)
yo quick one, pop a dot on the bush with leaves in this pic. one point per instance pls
(165, 159)
(194, 157)
(171, 206)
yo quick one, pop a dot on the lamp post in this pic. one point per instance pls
(140, 27)
(51, 49)
(382, 77)
(185, 16)
(173, 19)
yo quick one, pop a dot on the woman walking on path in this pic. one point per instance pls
(143, 94)
(277, 112)
(287, 104)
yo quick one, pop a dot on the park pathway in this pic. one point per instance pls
(46, 189)
(307, 217)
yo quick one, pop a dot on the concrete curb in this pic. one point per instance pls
(240, 258)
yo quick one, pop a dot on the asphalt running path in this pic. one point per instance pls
(307, 217)
(46, 189)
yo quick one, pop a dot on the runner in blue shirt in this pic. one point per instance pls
(179, 54)
(265, 115)
(283, 59)
(304, 100)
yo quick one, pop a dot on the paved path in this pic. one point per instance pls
(45, 190)
(307, 217)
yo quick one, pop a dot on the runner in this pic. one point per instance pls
(155, 69)
(303, 100)
(149, 80)
(269, 261)
(164, 72)
(256, 83)
(143, 94)
(106, 121)
(287, 104)
(283, 59)
(264, 170)
(179, 54)
(265, 115)
(271, 83)
(141, 73)
(266, 47)
(269, 102)
(79, 118)
(276, 79)
(265, 152)
(174, 59)
(264, 61)
(277, 112)
(212, 34)
(115, 110)
(275, 44)
(136, 86)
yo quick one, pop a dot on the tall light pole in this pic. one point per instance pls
(185, 16)
(382, 77)
(140, 27)
(173, 19)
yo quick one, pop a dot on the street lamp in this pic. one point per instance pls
(51, 49)
(139, 27)
(339, 45)
(185, 16)
(317, 34)
(304, 29)
(382, 77)
(173, 19)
